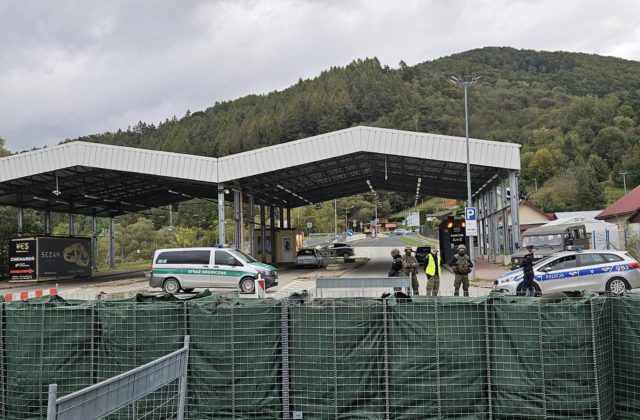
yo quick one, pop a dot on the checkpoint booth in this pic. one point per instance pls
(49, 257)
(287, 241)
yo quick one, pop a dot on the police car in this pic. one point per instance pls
(596, 271)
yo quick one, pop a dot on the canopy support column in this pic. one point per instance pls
(94, 242)
(112, 243)
(515, 209)
(221, 238)
(252, 226)
(263, 233)
(272, 211)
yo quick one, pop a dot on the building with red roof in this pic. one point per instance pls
(620, 211)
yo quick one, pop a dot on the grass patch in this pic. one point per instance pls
(417, 240)
(612, 194)
(133, 265)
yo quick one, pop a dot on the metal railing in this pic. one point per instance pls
(361, 284)
(106, 397)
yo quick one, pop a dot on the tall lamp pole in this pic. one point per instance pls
(624, 180)
(466, 83)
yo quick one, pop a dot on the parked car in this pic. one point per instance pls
(189, 268)
(421, 253)
(339, 249)
(309, 257)
(596, 271)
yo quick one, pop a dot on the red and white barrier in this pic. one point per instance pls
(10, 297)
(261, 287)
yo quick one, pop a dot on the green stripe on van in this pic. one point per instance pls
(202, 271)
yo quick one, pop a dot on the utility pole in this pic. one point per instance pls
(624, 180)
(535, 181)
(466, 83)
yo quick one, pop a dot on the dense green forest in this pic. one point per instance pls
(575, 115)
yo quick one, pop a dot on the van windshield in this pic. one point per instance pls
(542, 240)
(243, 257)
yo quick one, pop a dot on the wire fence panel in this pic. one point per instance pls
(235, 359)
(626, 356)
(46, 340)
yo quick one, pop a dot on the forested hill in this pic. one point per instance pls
(576, 115)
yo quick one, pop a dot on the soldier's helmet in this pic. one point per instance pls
(461, 247)
(395, 252)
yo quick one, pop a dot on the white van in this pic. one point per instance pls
(190, 268)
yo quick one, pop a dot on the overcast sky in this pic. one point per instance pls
(77, 67)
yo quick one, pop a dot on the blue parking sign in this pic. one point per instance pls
(471, 218)
(470, 213)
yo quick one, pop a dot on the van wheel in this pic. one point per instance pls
(171, 286)
(346, 256)
(617, 286)
(247, 285)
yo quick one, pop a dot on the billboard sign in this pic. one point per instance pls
(413, 219)
(59, 257)
(22, 259)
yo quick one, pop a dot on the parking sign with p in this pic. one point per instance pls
(471, 221)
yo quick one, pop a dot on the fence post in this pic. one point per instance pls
(284, 337)
(183, 380)
(385, 319)
(51, 404)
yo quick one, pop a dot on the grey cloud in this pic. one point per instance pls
(70, 68)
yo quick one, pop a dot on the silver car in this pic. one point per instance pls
(309, 257)
(595, 271)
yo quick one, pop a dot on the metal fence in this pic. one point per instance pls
(393, 357)
(123, 394)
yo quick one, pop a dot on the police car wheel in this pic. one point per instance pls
(346, 256)
(617, 286)
(536, 290)
(171, 286)
(247, 285)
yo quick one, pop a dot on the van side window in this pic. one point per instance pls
(169, 257)
(224, 258)
(196, 257)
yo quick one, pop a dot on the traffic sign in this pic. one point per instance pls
(309, 225)
(471, 221)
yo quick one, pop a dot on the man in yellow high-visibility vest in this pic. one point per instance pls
(432, 269)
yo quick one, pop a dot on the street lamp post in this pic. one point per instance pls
(466, 83)
(624, 180)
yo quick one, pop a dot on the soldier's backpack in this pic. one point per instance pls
(463, 265)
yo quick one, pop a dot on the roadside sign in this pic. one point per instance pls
(471, 221)
(349, 232)
(309, 225)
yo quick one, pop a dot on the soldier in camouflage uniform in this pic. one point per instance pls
(461, 265)
(410, 269)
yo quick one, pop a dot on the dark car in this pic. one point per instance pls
(339, 249)
(421, 253)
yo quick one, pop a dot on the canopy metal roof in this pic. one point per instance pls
(91, 178)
